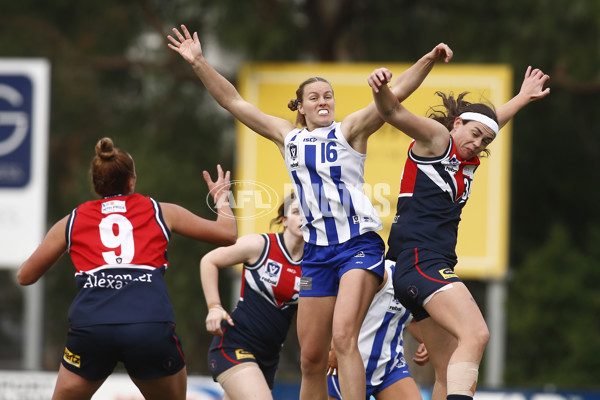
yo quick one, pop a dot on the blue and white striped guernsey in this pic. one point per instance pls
(328, 176)
(380, 340)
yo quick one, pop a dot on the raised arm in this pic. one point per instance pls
(532, 89)
(430, 136)
(413, 77)
(222, 231)
(359, 125)
(246, 250)
(189, 47)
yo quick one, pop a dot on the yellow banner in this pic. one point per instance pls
(261, 180)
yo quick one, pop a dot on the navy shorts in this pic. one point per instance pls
(148, 350)
(225, 353)
(323, 266)
(419, 273)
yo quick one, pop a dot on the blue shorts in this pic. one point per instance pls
(323, 266)
(419, 273)
(148, 350)
(224, 353)
(399, 372)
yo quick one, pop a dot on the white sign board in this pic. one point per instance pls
(24, 104)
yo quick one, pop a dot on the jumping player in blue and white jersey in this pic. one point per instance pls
(244, 354)
(381, 346)
(122, 311)
(435, 186)
(343, 258)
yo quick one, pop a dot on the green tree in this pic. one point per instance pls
(112, 75)
(554, 308)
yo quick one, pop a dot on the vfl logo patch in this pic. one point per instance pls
(447, 273)
(71, 358)
(293, 151)
(241, 354)
(359, 254)
(271, 273)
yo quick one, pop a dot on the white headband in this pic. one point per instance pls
(484, 119)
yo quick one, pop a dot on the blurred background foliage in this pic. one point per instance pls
(113, 75)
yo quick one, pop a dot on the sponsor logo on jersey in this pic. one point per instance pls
(395, 306)
(447, 273)
(271, 272)
(310, 139)
(241, 354)
(114, 281)
(469, 171)
(359, 254)
(71, 358)
(306, 283)
(113, 206)
(297, 283)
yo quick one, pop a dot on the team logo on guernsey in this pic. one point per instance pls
(241, 354)
(447, 273)
(71, 358)
(293, 151)
(452, 165)
(271, 273)
(113, 206)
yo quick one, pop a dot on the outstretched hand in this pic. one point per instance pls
(533, 84)
(378, 78)
(219, 190)
(441, 52)
(186, 45)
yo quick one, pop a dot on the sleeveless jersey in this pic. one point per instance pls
(328, 176)
(380, 340)
(118, 246)
(433, 192)
(269, 298)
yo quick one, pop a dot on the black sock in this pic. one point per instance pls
(458, 397)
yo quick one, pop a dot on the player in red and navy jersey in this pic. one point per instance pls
(435, 186)
(122, 311)
(244, 354)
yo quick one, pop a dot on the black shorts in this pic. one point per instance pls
(419, 273)
(148, 350)
(224, 353)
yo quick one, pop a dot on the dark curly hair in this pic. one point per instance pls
(451, 108)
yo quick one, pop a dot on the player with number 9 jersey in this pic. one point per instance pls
(118, 246)
(122, 311)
